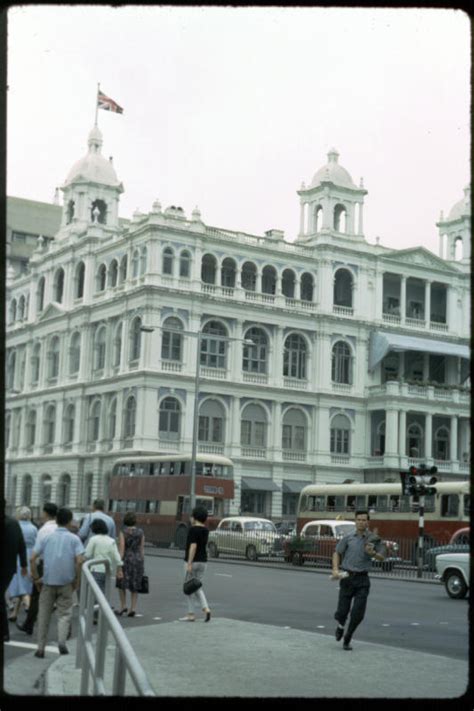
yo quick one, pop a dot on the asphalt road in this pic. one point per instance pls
(403, 614)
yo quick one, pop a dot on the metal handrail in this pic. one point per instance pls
(92, 661)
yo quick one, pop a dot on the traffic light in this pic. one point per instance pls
(419, 481)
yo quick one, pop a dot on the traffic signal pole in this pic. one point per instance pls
(421, 530)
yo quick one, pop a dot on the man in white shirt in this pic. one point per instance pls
(85, 532)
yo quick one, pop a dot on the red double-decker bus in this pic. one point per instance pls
(157, 489)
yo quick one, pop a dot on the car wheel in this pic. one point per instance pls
(297, 558)
(251, 553)
(213, 552)
(455, 585)
(180, 537)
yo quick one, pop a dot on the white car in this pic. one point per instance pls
(244, 535)
(453, 571)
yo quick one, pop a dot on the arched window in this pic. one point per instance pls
(341, 370)
(21, 308)
(340, 435)
(135, 264)
(441, 444)
(288, 283)
(340, 217)
(228, 273)
(113, 273)
(46, 489)
(26, 489)
(94, 421)
(13, 311)
(50, 425)
(211, 422)
(40, 295)
(53, 357)
(169, 422)
(168, 261)
(458, 249)
(213, 345)
(101, 280)
(253, 427)
(75, 353)
(58, 286)
(130, 415)
(184, 265)
(79, 280)
(208, 269)
(255, 357)
(31, 429)
(294, 431)
(11, 368)
(118, 345)
(172, 342)
(269, 280)
(318, 218)
(64, 491)
(294, 357)
(380, 439)
(123, 269)
(99, 212)
(415, 440)
(343, 288)
(112, 420)
(307, 287)
(249, 276)
(135, 339)
(100, 341)
(143, 260)
(35, 364)
(69, 420)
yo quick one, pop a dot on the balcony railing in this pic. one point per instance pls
(436, 326)
(172, 365)
(299, 304)
(391, 318)
(254, 453)
(210, 448)
(340, 458)
(415, 322)
(257, 378)
(343, 310)
(217, 373)
(296, 383)
(290, 455)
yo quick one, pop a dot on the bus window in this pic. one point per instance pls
(208, 504)
(330, 503)
(351, 503)
(339, 505)
(182, 468)
(317, 503)
(131, 506)
(361, 502)
(394, 503)
(449, 505)
(162, 468)
(207, 469)
(131, 470)
(467, 507)
(372, 503)
(152, 507)
(140, 506)
(304, 503)
(429, 504)
(199, 468)
(382, 503)
(218, 470)
(172, 466)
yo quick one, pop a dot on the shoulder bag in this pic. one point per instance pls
(190, 585)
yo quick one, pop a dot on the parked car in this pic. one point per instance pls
(453, 571)
(317, 542)
(459, 543)
(245, 535)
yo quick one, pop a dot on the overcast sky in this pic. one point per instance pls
(230, 109)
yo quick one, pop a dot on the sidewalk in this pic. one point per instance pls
(230, 658)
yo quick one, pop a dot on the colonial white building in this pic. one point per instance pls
(359, 362)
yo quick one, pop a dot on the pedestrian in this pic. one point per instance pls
(62, 554)
(11, 546)
(48, 518)
(101, 545)
(195, 558)
(356, 551)
(21, 586)
(132, 552)
(97, 512)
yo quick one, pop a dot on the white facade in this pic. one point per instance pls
(311, 401)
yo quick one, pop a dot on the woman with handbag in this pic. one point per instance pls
(132, 552)
(195, 561)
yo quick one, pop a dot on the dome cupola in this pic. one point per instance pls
(455, 230)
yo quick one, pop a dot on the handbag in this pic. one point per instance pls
(191, 585)
(145, 587)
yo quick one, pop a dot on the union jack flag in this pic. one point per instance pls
(104, 102)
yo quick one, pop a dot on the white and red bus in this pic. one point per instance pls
(393, 514)
(157, 489)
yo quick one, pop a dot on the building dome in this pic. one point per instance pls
(333, 172)
(463, 207)
(94, 167)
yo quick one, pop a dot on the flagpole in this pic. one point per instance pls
(97, 104)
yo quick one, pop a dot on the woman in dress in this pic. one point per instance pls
(21, 586)
(132, 552)
(196, 561)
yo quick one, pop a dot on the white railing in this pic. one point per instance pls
(299, 304)
(341, 387)
(375, 459)
(255, 378)
(442, 463)
(391, 318)
(415, 322)
(443, 394)
(340, 458)
(217, 373)
(171, 365)
(414, 461)
(438, 326)
(295, 383)
(417, 390)
(343, 310)
(211, 448)
(254, 453)
(292, 456)
(464, 466)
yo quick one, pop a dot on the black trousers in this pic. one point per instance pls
(353, 589)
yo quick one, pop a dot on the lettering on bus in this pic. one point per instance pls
(213, 489)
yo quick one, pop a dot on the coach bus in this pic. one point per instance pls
(157, 489)
(393, 514)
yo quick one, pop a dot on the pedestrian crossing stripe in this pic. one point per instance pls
(29, 645)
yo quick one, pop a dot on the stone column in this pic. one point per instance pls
(233, 429)
(391, 432)
(453, 439)
(403, 298)
(302, 218)
(360, 230)
(275, 443)
(428, 435)
(427, 302)
(402, 434)
(125, 345)
(277, 357)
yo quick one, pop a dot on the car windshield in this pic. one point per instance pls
(260, 526)
(343, 529)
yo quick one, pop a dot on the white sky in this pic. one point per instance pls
(231, 109)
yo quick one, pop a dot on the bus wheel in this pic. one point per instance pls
(180, 537)
(251, 553)
(297, 558)
(213, 552)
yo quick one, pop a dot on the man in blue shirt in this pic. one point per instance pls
(97, 512)
(62, 553)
